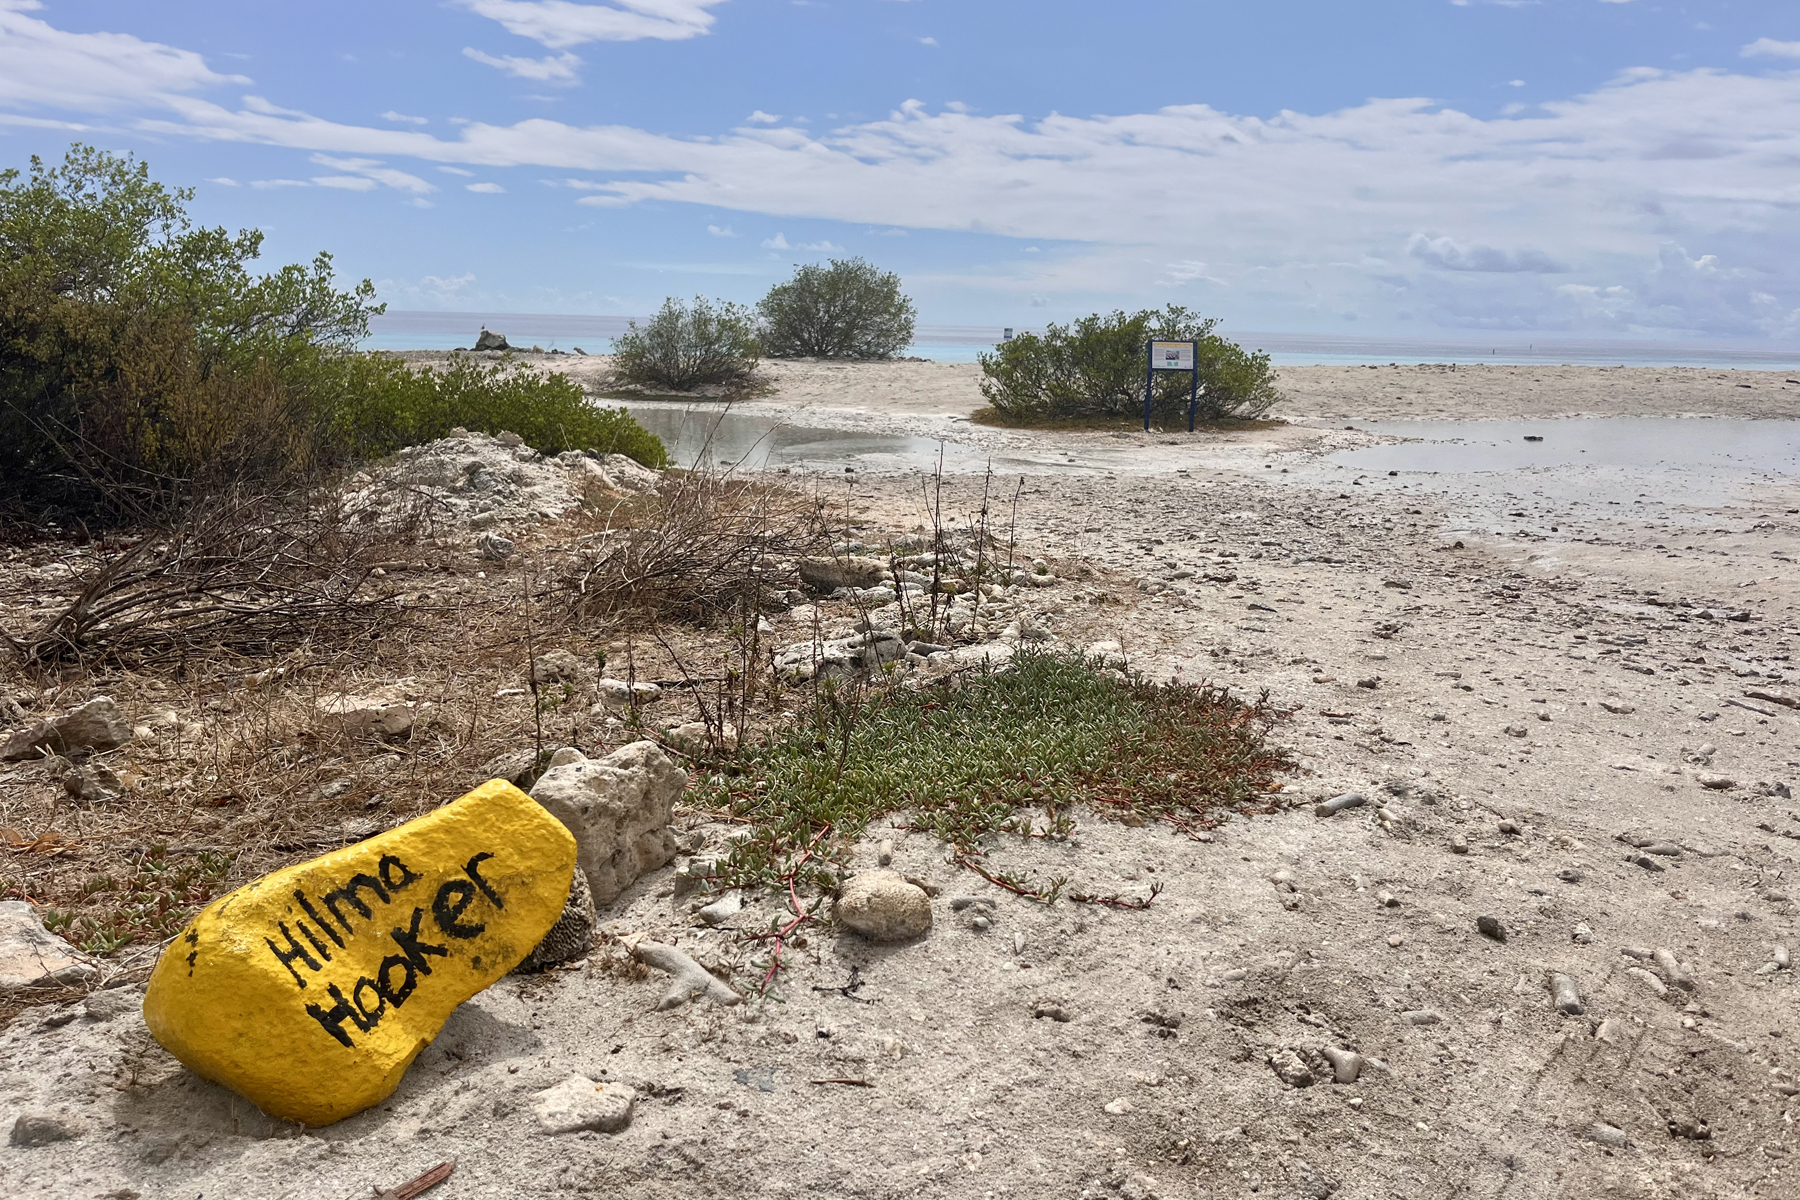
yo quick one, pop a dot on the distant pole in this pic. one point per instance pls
(1149, 376)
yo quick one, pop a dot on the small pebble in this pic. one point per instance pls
(1672, 970)
(1387, 899)
(884, 853)
(1423, 1016)
(1490, 927)
(1565, 994)
(1650, 981)
(1459, 844)
(1582, 935)
(1646, 862)
(722, 909)
(1018, 943)
(1346, 1065)
(1395, 940)
(1509, 827)
(1610, 1136)
(981, 924)
(1119, 1107)
(1338, 804)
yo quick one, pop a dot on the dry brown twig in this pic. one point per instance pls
(691, 552)
(247, 573)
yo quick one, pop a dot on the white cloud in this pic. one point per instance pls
(457, 171)
(553, 68)
(486, 189)
(1296, 213)
(560, 23)
(391, 115)
(1770, 48)
(780, 242)
(347, 183)
(1187, 271)
(372, 170)
(720, 231)
(224, 181)
(928, 41)
(759, 117)
(279, 183)
(1453, 256)
(90, 72)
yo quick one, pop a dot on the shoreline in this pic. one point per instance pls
(1401, 392)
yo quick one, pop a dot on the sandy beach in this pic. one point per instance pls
(1531, 674)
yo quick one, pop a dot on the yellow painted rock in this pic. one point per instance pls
(310, 991)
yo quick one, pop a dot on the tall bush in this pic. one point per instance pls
(144, 365)
(849, 309)
(1095, 368)
(684, 347)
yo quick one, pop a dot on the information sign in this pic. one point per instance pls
(1172, 356)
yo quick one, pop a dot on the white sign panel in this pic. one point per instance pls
(1171, 356)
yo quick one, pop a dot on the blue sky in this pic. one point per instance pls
(1612, 168)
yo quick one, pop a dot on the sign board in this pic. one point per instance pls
(1171, 356)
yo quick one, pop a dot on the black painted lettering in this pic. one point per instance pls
(333, 1020)
(348, 895)
(313, 940)
(321, 922)
(447, 907)
(415, 949)
(294, 950)
(472, 869)
(386, 868)
(369, 1019)
(396, 996)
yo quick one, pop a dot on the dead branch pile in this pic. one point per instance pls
(708, 544)
(243, 573)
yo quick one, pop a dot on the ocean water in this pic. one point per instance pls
(962, 343)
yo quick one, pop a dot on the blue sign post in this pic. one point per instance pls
(1172, 356)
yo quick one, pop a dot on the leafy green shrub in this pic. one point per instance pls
(685, 347)
(1095, 368)
(143, 365)
(384, 406)
(846, 310)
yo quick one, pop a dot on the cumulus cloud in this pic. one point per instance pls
(759, 117)
(391, 115)
(720, 231)
(1770, 48)
(1454, 256)
(552, 68)
(561, 23)
(486, 189)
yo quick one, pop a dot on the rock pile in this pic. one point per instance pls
(480, 480)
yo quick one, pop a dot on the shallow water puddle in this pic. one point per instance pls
(761, 443)
(1659, 443)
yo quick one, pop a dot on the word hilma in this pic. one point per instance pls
(432, 931)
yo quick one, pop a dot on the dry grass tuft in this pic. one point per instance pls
(709, 544)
